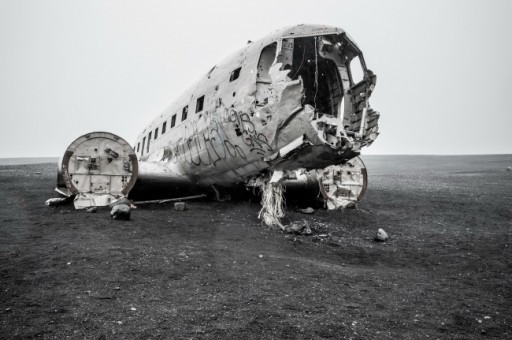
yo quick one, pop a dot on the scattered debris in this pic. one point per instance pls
(381, 235)
(120, 212)
(180, 206)
(170, 200)
(53, 202)
(92, 209)
(299, 227)
(308, 210)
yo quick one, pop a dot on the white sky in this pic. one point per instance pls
(444, 68)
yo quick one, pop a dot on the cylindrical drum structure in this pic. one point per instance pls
(98, 167)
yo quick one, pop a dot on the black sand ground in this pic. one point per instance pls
(213, 272)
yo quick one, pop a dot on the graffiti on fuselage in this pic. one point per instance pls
(206, 143)
(245, 128)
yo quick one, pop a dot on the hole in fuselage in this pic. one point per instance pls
(328, 93)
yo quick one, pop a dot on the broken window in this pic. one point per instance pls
(235, 74)
(184, 113)
(164, 126)
(156, 133)
(173, 120)
(199, 104)
(143, 144)
(149, 141)
(356, 70)
(263, 81)
(322, 83)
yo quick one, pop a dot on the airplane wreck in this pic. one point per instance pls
(289, 110)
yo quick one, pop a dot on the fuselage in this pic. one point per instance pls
(287, 101)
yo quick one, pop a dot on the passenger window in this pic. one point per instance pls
(184, 113)
(164, 126)
(143, 144)
(173, 120)
(199, 104)
(149, 141)
(235, 74)
(138, 146)
(156, 133)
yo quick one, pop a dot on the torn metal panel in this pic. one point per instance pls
(344, 185)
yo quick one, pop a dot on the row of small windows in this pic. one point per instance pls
(199, 107)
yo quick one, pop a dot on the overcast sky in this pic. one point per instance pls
(444, 68)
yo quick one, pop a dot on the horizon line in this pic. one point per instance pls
(382, 154)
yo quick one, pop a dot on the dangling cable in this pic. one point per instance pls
(316, 77)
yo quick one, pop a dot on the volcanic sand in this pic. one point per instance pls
(214, 272)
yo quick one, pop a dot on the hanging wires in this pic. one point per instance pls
(316, 77)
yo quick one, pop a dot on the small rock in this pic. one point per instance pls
(133, 309)
(122, 200)
(120, 212)
(299, 227)
(180, 206)
(260, 256)
(308, 210)
(381, 235)
(509, 168)
(92, 209)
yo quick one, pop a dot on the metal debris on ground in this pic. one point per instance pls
(53, 202)
(120, 212)
(169, 200)
(122, 200)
